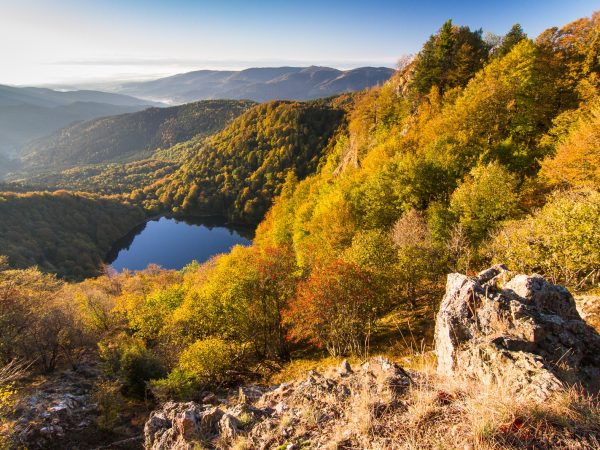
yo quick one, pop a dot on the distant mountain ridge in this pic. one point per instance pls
(13, 96)
(129, 137)
(28, 113)
(258, 84)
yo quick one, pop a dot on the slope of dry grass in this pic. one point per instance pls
(434, 413)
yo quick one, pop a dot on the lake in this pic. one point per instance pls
(174, 243)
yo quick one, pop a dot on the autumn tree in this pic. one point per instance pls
(35, 323)
(576, 162)
(335, 308)
(509, 40)
(418, 260)
(449, 58)
(560, 241)
(486, 196)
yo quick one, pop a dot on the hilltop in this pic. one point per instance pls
(129, 137)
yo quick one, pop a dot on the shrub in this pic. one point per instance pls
(178, 385)
(208, 360)
(132, 363)
(107, 395)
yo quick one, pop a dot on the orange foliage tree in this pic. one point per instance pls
(335, 308)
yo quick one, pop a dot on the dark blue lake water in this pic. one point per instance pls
(174, 243)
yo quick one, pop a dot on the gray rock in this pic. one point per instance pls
(516, 329)
(280, 412)
(345, 368)
(180, 425)
(210, 399)
(229, 427)
(249, 394)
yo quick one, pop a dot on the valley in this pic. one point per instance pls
(315, 258)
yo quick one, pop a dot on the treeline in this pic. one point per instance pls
(499, 164)
(131, 136)
(65, 233)
(237, 172)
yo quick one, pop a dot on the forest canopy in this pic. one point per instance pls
(62, 232)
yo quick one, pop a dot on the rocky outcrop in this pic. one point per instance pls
(181, 425)
(515, 329)
(60, 407)
(286, 413)
(497, 327)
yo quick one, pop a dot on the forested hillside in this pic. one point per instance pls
(108, 179)
(237, 173)
(129, 137)
(64, 233)
(29, 113)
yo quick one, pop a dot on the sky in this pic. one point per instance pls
(87, 42)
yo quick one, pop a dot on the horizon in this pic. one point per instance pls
(78, 44)
(115, 81)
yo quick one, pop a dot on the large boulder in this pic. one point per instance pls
(518, 330)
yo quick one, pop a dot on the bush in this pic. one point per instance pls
(179, 385)
(132, 363)
(208, 361)
(107, 395)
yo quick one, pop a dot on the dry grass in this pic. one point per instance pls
(299, 368)
(442, 413)
(448, 414)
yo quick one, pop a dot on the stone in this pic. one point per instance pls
(210, 399)
(229, 426)
(516, 329)
(385, 376)
(179, 425)
(285, 408)
(60, 405)
(345, 368)
(249, 394)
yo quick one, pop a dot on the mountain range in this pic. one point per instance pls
(28, 113)
(258, 84)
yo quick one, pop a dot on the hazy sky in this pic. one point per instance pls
(74, 41)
